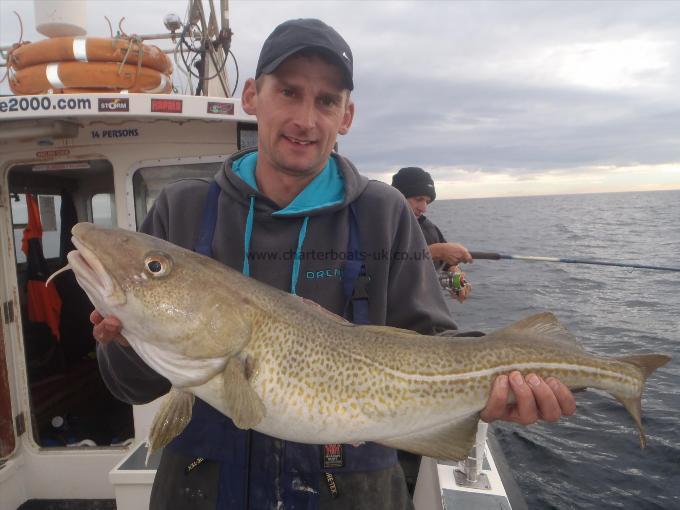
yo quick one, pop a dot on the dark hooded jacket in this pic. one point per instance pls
(403, 291)
(432, 235)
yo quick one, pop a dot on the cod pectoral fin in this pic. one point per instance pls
(452, 441)
(171, 419)
(246, 409)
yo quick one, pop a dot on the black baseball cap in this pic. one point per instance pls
(298, 34)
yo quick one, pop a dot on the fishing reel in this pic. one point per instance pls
(454, 282)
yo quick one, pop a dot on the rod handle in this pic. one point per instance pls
(485, 255)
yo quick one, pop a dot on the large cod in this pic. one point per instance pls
(288, 368)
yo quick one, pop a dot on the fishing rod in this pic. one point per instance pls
(498, 256)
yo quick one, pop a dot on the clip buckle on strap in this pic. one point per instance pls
(361, 285)
(355, 280)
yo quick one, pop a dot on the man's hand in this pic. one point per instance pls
(451, 253)
(107, 329)
(536, 399)
(461, 294)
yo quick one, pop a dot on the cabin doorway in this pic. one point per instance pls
(69, 404)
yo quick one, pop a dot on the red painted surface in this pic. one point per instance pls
(6, 421)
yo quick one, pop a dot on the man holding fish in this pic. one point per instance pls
(300, 218)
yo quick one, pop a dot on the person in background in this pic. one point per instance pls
(293, 193)
(418, 187)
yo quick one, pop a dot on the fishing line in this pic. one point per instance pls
(532, 258)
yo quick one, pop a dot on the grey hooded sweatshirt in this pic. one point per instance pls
(403, 291)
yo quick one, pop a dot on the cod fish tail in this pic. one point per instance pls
(647, 363)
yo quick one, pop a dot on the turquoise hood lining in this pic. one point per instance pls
(326, 189)
(244, 167)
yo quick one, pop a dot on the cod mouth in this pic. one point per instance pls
(91, 275)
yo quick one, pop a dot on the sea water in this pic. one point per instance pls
(592, 459)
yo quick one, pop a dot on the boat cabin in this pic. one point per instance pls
(64, 159)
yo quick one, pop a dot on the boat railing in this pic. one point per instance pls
(468, 473)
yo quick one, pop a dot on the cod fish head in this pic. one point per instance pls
(162, 293)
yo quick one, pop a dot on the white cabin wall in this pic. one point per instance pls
(12, 487)
(68, 473)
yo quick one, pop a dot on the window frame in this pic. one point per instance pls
(131, 220)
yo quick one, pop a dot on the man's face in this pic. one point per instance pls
(301, 108)
(419, 204)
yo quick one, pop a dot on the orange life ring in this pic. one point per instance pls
(42, 78)
(89, 49)
(92, 90)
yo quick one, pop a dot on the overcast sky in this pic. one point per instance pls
(493, 98)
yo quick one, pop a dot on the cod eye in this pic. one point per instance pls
(154, 266)
(157, 264)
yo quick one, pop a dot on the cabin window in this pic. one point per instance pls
(69, 403)
(103, 209)
(49, 206)
(148, 182)
(247, 135)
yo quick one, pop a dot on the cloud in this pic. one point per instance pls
(497, 125)
(522, 91)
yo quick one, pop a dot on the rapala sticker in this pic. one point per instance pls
(166, 106)
(51, 154)
(114, 104)
(221, 108)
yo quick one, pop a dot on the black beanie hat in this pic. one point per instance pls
(414, 182)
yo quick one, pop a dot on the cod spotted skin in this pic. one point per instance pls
(284, 366)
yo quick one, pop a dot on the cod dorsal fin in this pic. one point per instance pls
(542, 325)
(452, 441)
(322, 311)
(392, 331)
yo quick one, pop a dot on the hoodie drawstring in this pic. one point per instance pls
(298, 256)
(298, 252)
(247, 236)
